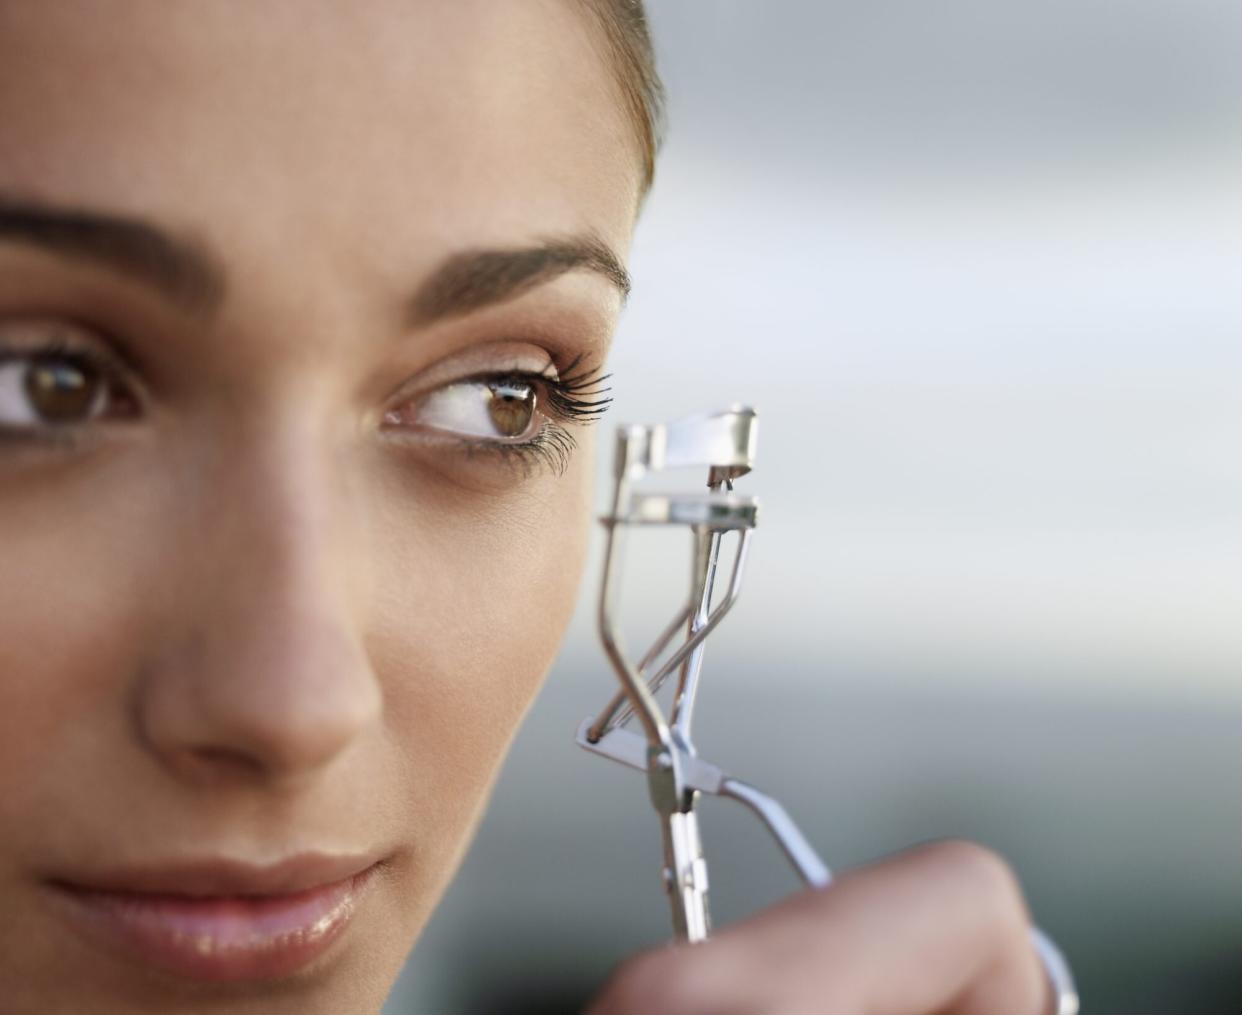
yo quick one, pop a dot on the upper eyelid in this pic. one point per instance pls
(68, 337)
(416, 388)
(511, 350)
(495, 375)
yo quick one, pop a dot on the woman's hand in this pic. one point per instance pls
(939, 930)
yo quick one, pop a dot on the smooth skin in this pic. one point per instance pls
(268, 600)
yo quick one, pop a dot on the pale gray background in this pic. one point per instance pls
(977, 265)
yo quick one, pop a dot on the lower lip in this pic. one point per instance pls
(239, 938)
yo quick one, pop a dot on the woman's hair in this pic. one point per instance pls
(624, 23)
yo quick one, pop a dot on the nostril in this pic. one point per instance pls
(220, 763)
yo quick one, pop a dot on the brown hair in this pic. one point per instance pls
(624, 23)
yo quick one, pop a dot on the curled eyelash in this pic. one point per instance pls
(579, 394)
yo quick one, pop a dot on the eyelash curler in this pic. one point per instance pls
(724, 444)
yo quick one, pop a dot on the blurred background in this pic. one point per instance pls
(977, 265)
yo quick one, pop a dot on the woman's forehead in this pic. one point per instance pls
(369, 129)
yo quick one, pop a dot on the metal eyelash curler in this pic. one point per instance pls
(724, 444)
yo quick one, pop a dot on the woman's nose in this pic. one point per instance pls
(260, 672)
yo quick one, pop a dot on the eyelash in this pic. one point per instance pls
(580, 394)
(61, 348)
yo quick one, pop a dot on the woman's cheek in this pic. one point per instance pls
(73, 584)
(473, 596)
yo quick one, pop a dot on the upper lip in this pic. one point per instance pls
(217, 877)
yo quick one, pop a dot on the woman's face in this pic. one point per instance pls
(284, 549)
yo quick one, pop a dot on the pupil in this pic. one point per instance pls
(62, 391)
(511, 407)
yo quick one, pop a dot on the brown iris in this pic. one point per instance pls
(63, 390)
(511, 405)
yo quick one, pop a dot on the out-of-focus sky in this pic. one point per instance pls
(976, 262)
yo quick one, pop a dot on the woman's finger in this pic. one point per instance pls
(939, 930)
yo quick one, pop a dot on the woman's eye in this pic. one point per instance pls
(53, 389)
(501, 409)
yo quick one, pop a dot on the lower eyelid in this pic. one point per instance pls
(41, 440)
(551, 447)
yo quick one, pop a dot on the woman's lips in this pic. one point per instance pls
(222, 921)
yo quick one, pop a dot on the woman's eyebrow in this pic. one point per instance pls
(180, 268)
(188, 274)
(476, 278)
